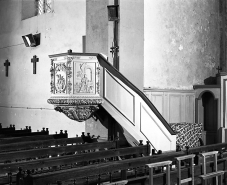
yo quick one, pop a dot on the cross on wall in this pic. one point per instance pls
(219, 69)
(34, 60)
(7, 64)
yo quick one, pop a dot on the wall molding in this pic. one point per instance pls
(168, 90)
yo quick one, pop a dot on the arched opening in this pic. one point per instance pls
(210, 119)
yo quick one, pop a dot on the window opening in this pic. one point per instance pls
(44, 6)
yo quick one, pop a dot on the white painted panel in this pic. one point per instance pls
(189, 106)
(119, 97)
(157, 100)
(154, 130)
(166, 104)
(148, 95)
(175, 108)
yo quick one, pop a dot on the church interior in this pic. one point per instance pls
(98, 80)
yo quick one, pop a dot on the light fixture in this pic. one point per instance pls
(31, 40)
(113, 14)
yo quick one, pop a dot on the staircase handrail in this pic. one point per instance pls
(105, 64)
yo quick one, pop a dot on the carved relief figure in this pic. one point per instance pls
(84, 84)
(84, 81)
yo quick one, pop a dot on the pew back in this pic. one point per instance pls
(106, 155)
(39, 144)
(46, 152)
(31, 138)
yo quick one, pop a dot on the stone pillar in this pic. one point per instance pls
(223, 61)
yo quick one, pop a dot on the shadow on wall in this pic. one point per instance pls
(210, 81)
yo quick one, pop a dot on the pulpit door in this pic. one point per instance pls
(210, 119)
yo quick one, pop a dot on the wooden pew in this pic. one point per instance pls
(39, 144)
(34, 153)
(25, 132)
(8, 131)
(5, 130)
(99, 169)
(112, 167)
(111, 172)
(219, 147)
(33, 137)
(72, 159)
(75, 174)
(9, 140)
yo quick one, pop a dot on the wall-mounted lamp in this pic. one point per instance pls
(113, 14)
(31, 40)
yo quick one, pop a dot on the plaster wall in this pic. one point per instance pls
(97, 27)
(131, 41)
(99, 35)
(181, 42)
(23, 95)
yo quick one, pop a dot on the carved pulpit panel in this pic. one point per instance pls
(60, 78)
(75, 85)
(84, 78)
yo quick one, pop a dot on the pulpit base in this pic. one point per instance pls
(77, 113)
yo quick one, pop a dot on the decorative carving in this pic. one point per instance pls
(69, 74)
(60, 77)
(98, 77)
(78, 96)
(78, 113)
(52, 87)
(72, 101)
(60, 67)
(95, 117)
(60, 83)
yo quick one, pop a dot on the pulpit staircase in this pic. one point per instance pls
(129, 106)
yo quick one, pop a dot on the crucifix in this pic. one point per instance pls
(219, 69)
(7, 64)
(34, 60)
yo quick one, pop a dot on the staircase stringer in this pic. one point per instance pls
(134, 114)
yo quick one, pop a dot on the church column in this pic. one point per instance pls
(223, 61)
(113, 15)
(116, 57)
